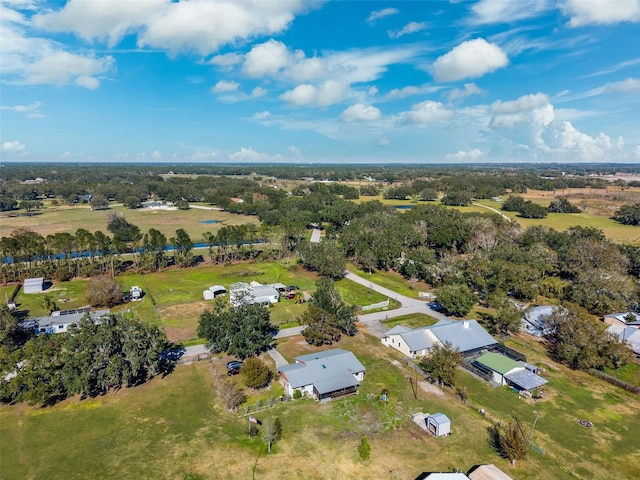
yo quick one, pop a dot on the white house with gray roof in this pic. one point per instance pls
(323, 375)
(467, 336)
(60, 321)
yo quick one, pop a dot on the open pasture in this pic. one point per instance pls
(174, 428)
(55, 219)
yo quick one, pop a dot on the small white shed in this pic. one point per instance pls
(208, 295)
(438, 424)
(33, 285)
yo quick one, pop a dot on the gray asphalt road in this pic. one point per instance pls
(409, 306)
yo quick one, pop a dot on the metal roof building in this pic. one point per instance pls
(506, 371)
(323, 375)
(467, 336)
(33, 285)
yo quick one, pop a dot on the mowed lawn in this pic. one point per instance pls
(173, 298)
(173, 427)
(54, 219)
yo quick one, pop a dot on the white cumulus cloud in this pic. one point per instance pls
(195, 25)
(225, 86)
(461, 155)
(360, 112)
(62, 68)
(427, 112)
(470, 59)
(327, 93)
(250, 155)
(603, 12)
(258, 92)
(468, 90)
(13, 146)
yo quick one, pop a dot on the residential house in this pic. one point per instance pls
(467, 336)
(255, 292)
(60, 321)
(630, 334)
(442, 476)
(33, 285)
(622, 319)
(323, 375)
(506, 371)
(535, 320)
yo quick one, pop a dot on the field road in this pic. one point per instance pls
(493, 210)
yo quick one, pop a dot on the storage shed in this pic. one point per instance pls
(33, 285)
(438, 424)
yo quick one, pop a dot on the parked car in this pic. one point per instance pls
(292, 288)
(233, 371)
(234, 364)
(290, 295)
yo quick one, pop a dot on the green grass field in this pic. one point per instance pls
(173, 298)
(173, 427)
(54, 219)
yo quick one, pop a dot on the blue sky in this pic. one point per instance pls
(314, 81)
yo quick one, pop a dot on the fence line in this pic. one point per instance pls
(374, 306)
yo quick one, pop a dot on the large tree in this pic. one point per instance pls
(441, 363)
(89, 360)
(580, 342)
(457, 299)
(628, 214)
(328, 316)
(122, 230)
(242, 331)
(103, 291)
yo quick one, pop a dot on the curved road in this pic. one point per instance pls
(373, 321)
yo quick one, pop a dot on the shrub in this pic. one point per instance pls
(255, 372)
(297, 395)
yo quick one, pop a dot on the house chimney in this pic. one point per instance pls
(465, 324)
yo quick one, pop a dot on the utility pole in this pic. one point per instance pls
(537, 414)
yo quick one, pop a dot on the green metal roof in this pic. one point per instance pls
(498, 363)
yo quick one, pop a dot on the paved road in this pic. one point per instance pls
(408, 306)
(372, 321)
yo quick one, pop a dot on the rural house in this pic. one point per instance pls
(60, 321)
(622, 319)
(323, 375)
(630, 334)
(505, 371)
(254, 292)
(467, 336)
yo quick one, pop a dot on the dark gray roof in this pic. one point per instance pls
(327, 371)
(525, 379)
